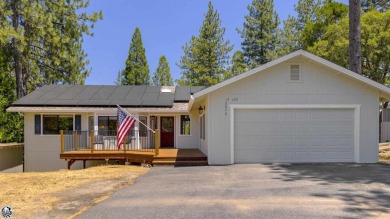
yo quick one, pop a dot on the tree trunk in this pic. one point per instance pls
(21, 88)
(355, 51)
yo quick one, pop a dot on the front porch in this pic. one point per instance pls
(85, 145)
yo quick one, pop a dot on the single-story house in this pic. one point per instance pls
(297, 108)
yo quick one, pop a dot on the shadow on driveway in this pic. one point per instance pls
(360, 198)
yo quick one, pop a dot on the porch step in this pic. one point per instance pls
(181, 163)
(180, 158)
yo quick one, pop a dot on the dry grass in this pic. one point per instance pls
(28, 193)
(384, 152)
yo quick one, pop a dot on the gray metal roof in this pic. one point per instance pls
(106, 96)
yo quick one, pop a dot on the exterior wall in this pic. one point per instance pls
(319, 85)
(204, 144)
(180, 141)
(10, 156)
(188, 141)
(42, 152)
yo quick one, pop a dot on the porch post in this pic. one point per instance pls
(156, 142)
(92, 136)
(76, 141)
(62, 141)
(124, 144)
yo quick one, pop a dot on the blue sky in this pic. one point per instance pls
(166, 25)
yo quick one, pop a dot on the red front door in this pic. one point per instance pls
(167, 132)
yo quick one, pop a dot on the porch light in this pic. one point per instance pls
(201, 110)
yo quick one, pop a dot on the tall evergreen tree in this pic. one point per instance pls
(162, 75)
(136, 71)
(11, 124)
(260, 33)
(288, 37)
(206, 56)
(325, 15)
(45, 39)
(379, 5)
(238, 65)
(306, 15)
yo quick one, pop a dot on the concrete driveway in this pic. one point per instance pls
(254, 191)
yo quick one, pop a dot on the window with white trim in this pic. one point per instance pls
(107, 125)
(185, 125)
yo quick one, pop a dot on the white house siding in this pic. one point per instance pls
(319, 85)
(42, 152)
(204, 144)
(188, 141)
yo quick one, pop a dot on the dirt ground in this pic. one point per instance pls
(64, 193)
(384, 152)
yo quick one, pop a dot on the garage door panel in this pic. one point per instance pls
(299, 135)
(286, 130)
(289, 141)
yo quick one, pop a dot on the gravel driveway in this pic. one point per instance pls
(254, 191)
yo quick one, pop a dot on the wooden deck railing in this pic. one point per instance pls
(146, 141)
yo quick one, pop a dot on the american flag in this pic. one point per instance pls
(125, 123)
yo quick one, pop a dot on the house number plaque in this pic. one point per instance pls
(229, 99)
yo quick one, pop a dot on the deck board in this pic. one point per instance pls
(166, 156)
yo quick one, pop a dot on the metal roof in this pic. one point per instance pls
(106, 96)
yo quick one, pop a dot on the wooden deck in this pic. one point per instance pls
(178, 157)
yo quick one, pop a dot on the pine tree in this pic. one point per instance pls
(379, 5)
(136, 71)
(162, 75)
(206, 56)
(306, 16)
(325, 15)
(238, 65)
(11, 124)
(45, 39)
(288, 37)
(260, 33)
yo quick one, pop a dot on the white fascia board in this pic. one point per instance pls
(190, 103)
(87, 110)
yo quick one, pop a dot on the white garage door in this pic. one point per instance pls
(293, 135)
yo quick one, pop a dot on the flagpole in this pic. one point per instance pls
(136, 119)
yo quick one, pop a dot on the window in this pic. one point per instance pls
(143, 131)
(294, 73)
(91, 123)
(37, 127)
(107, 125)
(203, 127)
(52, 124)
(185, 125)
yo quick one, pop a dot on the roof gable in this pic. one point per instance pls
(383, 89)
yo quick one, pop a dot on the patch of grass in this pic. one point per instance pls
(30, 192)
(384, 152)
